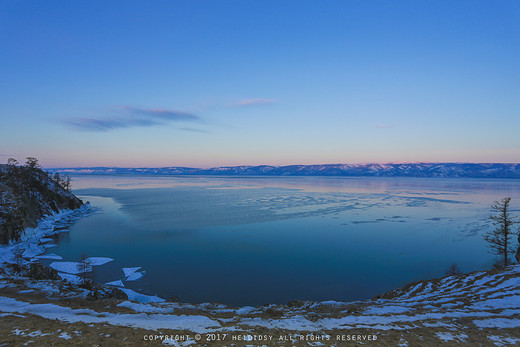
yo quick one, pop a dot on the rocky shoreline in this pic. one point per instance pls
(27, 194)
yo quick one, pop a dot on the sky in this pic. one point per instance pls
(216, 83)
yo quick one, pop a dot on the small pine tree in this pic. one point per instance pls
(18, 259)
(84, 267)
(32, 163)
(453, 270)
(12, 165)
(57, 178)
(517, 255)
(500, 239)
(62, 181)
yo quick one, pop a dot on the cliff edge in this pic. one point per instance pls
(27, 193)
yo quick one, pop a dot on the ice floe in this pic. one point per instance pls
(117, 283)
(96, 261)
(135, 276)
(130, 270)
(74, 267)
(69, 267)
(49, 256)
(141, 298)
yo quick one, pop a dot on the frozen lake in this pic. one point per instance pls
(257, 240)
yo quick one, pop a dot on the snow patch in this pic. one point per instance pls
(245, 310)
(65, 336)
(71, 278)
(196, 323)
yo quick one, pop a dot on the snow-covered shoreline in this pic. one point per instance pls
(32, 241)
(453, 309)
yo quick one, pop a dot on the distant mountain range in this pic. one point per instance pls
(486, 170)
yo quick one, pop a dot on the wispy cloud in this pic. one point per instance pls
(128, 117)
(194, 130)
(385, 126)
(160, 113)
(253, 102)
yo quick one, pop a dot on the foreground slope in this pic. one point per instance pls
(480, 308)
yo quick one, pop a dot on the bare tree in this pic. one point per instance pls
(500, 239)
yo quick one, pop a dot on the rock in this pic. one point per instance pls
(94, 295)
(296, 303)
(117, 293)
(38, 271)
(270, 312)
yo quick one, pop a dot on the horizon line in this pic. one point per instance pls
(284, 165)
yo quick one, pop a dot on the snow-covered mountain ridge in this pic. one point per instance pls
(473, 170)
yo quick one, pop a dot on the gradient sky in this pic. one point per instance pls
(215, 83)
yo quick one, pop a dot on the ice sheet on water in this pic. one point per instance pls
(96, 261)
(117, 283)
(135, 276)
(141, 298)
(70, 267)
(130, 270)
(74, 267)
(49, 256)
(32, 250)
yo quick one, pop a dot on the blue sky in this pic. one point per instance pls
(214, 83)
